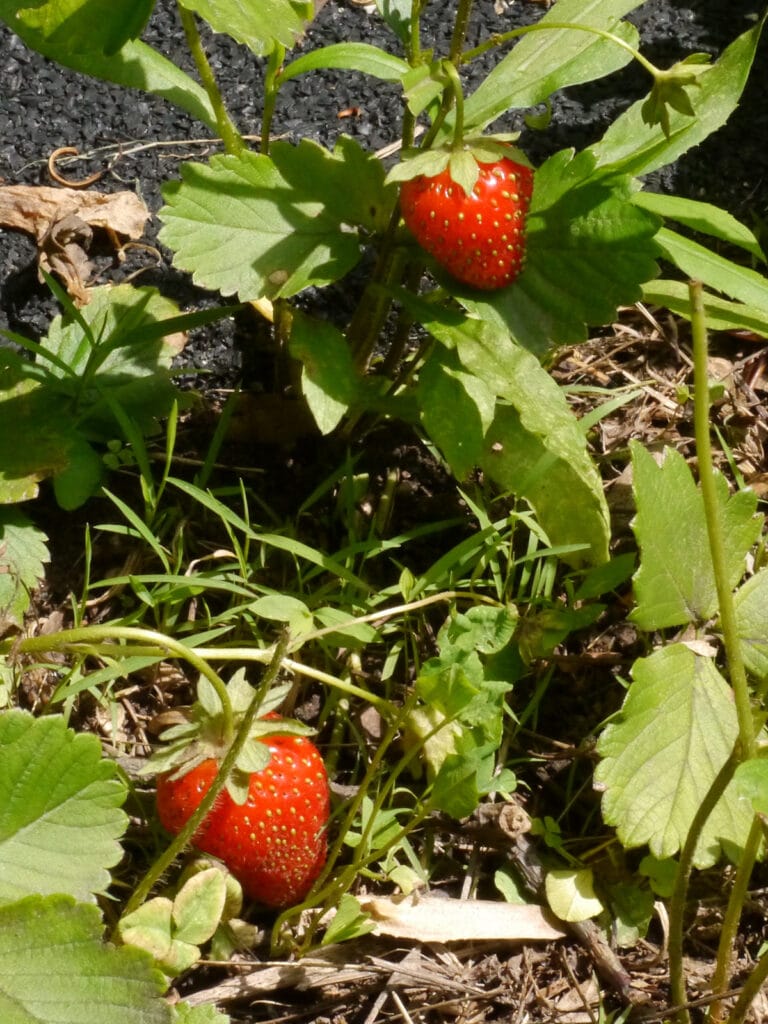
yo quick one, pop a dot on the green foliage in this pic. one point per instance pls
(55, 968)
(675, 730)
(675, 584)
(61, 818)
(469, 370)
(97, 368)
(259, 24)
(23, 555)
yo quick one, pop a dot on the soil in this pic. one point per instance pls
(138, 142)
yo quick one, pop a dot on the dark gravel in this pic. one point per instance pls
(43, 107)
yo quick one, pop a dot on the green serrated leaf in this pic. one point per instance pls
(258, 24)
(457, 408)
(60, 817)
(482, 628)
(675, 583)
(198, 906)
(241, 228)
(534, 446)
(751, 606)
(23, 554)
(676, 729)
(330, 382)
(56, 969)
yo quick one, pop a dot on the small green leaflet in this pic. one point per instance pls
(751, 606)
(675, 583)
(23, 554)
(675, 731)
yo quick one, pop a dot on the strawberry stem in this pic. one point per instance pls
(230, 136)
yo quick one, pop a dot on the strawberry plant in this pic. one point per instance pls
(267, 226)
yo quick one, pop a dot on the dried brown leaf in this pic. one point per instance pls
(62, 221)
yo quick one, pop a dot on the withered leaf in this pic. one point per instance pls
(62, 221)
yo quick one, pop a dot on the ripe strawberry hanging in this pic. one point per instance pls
(274, 843)
(268, 825)
(477, 234)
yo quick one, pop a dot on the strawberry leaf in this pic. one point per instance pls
(55, 967)
(751, 605)
(60, 816)
(100, 27)
(675, 583)
(675, 731)
(542, 63)
(631, 148)
(271, 226)
(533, 447)
(258, 24)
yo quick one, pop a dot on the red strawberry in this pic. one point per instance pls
(275, 843)
(479, 238)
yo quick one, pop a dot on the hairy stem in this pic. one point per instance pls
(745, 746)
(230, 136)
(271, 87)
(680, 892)
(715, 528)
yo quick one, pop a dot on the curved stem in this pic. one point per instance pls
(458, 100)
(732, 916)
(230, 136)
(715, 529)
(100, 640)
(745, 746)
